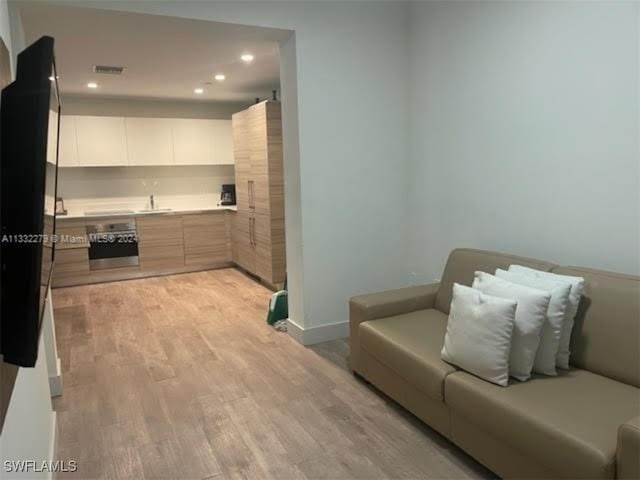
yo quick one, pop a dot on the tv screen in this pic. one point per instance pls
(28, 171)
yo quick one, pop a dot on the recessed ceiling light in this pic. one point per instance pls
(92, 85)
(247, 58)
(220, 77)
(199, 91)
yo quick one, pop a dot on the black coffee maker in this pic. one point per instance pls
(228, 194)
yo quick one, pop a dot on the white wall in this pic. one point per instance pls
(524, 132)
(5, 30)
(54, 366)
(351, 62)
(292, 192)
(29, 427)
(16, 32)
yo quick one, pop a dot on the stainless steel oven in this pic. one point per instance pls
(112, 245)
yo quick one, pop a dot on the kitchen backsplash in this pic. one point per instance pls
(115, 188)
(104, 182)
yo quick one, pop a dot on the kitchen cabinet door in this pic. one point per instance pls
(71, 267)
(71, 234)
(262, 245)
(243, 244)
(232, 217)
(223, 140)
(240, 126)
(265, 154)
(193, 141)
(102, 141)
(160, 241)
(149, 141)
(68, 149)
(205, 238)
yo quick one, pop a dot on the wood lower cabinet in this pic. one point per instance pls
(71, 263)
(160, 241)
(71, 266)
(173, 243)
(71, 234)
(207, 238)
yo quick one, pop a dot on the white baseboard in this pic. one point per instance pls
(318, 334)
(53, 441)
(55, 382)
(295, 331)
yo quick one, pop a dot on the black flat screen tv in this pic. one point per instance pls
(29, 116)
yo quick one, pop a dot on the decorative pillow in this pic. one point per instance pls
(530, 317)
(479, 330)
(577, 286)
(545, 361)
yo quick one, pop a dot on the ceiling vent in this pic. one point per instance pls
(108, 69)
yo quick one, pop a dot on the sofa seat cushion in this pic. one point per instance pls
(410, 345)
(568, 423)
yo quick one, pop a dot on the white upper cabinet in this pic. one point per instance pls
(102, 141)
(89, 141)
(52, 132)
(193, 141)
(149, 141)
(68, 148)
(223, 138)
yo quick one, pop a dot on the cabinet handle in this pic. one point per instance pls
(249, 191)
(250, 232)
(255, 242)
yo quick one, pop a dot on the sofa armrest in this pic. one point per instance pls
(386, 304)
(628, 451)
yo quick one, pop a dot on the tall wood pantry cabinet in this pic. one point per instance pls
(259, 242)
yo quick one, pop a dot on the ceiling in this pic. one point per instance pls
(164, 57)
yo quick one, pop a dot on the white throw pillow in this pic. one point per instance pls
(479, 330)
(545, 361)
(577, 286)
(530, 317)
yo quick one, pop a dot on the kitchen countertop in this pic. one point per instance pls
(136, 213)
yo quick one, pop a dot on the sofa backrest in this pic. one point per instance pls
(463, 262)
(606, 334)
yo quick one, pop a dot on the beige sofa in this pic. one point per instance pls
(584, 423)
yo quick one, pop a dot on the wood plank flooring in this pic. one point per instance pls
(179, 377)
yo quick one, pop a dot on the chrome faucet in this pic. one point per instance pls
(151, 203)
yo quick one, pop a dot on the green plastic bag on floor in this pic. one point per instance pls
(278, 307)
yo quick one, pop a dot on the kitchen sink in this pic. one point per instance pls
(154, 210)
(106, 213)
